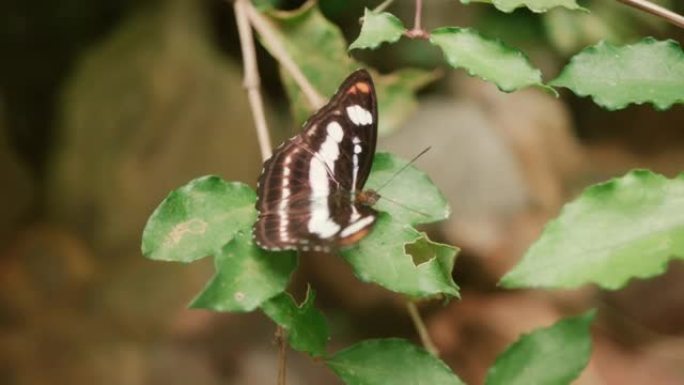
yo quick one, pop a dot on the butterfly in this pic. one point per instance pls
(309, 194)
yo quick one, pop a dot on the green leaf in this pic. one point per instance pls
(421, 271)
(378, 28)
(246, 276)
(395, 255)
(320, 50)
(490, 60)
(538, 6)
(629, 227)
(552, 355)
(390, 361)
(306, 328)
(198, 219)
(650, 71)
(410, 197)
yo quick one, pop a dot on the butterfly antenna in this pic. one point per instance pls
(403, 206)
(412, 161)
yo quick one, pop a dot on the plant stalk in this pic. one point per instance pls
(251, 77)
(421, 329)
(657, 10)
(252, 84)
(270, 39)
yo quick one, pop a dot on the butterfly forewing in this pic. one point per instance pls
(306, 192)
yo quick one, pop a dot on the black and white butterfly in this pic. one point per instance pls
(310, 191)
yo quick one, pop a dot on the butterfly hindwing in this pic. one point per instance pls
(306, 192)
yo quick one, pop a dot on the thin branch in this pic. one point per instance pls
(282, 356)
(656, 10)
(419, 15)
(251, 80)
(383, 6)
(265, 29)
(417, 32)
(421, 329)
(251, 84)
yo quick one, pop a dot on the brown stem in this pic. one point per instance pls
(265, 30)
(419, 15)
(421, 329)
(251, 84)
(417, 32)
(282, 356)
(251, 80)
(656, 10)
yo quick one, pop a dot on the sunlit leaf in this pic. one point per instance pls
(538, 6)
(390, 361)
(490, 60)
(410, 196)
(547, 356)
(320, 50)
(198, 219)
(306, 328)
(378, 28)
(629, 227)
(246, 276)
(650, 71)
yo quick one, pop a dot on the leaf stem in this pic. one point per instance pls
(252, 84)
(417, 32)
(251, 77)
(383, 6)
(657, 10)
(421, 329)
(265, 30)
(282, 356)
(419, 15)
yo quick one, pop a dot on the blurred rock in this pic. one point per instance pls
(152, 107)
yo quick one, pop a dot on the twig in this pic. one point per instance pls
(251, 84)
(421, 329)
(417, 32)
(656, 10)
(251, 80)
(264, 28)
(282, 356)
(383, 6)
(419, 15)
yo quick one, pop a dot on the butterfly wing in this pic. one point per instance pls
(306, 192)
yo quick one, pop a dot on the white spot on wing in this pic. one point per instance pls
(359, 115)
(335, 131)
(356, 226)
(320, 222)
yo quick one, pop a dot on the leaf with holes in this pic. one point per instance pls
(399, 258)
(198, 219)
(306, 328)
(629, 227)
(552, 355)
(246, 276)
(319, 49)
(538, 6)
(390, 361)
(378, 28)
(490, 60)
(650, 71)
